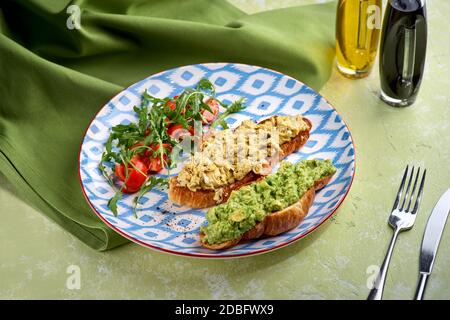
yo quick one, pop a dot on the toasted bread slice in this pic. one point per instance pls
(276, 222)
(205, 198)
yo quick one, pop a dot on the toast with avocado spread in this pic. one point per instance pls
(274, 205)
(231, 159)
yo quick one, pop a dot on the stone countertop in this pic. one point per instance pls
(334, 262)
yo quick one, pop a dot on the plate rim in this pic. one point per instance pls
(204, 255)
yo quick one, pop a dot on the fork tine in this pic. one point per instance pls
(413, 190)
(400, 190)
(407, 189)
(419, 195)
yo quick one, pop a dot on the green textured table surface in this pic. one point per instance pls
(334, 262)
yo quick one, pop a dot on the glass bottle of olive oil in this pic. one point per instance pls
(358, 25)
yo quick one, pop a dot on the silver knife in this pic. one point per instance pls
(432, 236)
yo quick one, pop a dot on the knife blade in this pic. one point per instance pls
(431, 238)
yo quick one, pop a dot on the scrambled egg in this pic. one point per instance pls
(228, 156)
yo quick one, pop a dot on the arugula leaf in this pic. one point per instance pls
(236, 106)
(206, 85)
(112, 203)
(146, 187)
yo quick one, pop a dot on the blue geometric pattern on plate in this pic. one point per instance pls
(167, 227)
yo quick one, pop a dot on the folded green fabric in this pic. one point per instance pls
(54, 78)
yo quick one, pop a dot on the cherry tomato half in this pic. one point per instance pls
(136, 178)
(145, 151)
(208, 116)
(120, 172)
(177, 131)
(155, 164)
(172, 104)
(154, 161)
(156, 146)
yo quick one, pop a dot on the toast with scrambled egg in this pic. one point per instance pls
(267, 208)
(207, 179)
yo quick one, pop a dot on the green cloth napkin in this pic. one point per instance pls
(54, 79)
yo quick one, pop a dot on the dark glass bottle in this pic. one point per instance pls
(402, 51)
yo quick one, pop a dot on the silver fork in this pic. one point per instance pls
(401, 218)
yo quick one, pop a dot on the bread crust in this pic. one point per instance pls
(276, 222)
(204, 198)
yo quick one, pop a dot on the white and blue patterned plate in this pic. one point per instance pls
(164, 226)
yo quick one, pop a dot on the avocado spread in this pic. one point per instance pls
(228, 156)
(250, 204)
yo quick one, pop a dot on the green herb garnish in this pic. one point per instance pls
(233, 108)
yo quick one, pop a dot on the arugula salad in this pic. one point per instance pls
(135, 152)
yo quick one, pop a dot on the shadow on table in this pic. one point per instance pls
(262, 260)
(7, 186)
(228, 268)
(242, 265)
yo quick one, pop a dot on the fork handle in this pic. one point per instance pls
(377, 291)
(421, 286)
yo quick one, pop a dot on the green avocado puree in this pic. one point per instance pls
(250, 204)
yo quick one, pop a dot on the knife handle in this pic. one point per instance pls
(421, 286)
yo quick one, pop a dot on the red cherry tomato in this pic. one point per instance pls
(156, 146)
(177, 131)
(138, 144)
(120, 168)
(120, 172)
(135, 178)
(208, 116)
(145, 151)
(154, 161)
(172, 104)
(136, 158)
(155, 164)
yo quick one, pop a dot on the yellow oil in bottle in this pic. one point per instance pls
(358, 25)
